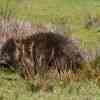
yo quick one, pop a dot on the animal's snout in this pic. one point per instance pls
(2, 60)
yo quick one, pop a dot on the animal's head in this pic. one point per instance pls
(7, 52)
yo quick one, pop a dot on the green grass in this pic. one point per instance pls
(67, 12)
(12, 87)
(51, 10)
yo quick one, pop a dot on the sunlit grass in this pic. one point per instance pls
(13, 87)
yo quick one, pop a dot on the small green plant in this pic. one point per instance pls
(92, 22)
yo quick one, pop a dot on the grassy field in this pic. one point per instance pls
(13, 87)
(75, 15)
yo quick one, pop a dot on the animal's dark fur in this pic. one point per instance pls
(41, 52)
